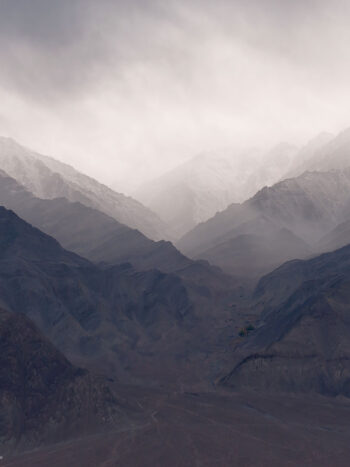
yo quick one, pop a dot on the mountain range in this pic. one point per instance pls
(119, 349)
(196, 190)
(296, 306)
(96, 236)
(48, 178)
(109, 318)
(281, 222)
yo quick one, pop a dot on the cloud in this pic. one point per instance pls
(116, 86)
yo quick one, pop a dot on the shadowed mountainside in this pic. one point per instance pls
(301, 342)
(114, 318)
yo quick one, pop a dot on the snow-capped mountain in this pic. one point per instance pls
(194, 191)
(208, 183)
(48, 178)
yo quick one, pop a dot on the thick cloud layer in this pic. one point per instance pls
(127, 89)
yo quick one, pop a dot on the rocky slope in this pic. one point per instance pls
(301, 342)
(43, 397)
(48, 178)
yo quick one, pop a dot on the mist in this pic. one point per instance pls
(174, 233)
(125, 91)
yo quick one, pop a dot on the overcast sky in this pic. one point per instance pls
(126, 89)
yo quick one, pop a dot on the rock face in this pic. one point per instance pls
(308, 206)
(43, 397)
(301, 343)
(48, 178)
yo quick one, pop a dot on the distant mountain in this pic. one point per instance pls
(301, 342)
(208, 183)
(324, 154)
(43, 397)
(48, 178)
(196, 190)
(308, 206)
(89, 232)
(98, 237)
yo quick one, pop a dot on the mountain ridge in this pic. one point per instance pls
(310, 206)
(48, 178)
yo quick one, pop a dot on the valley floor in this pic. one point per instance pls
(211, 429)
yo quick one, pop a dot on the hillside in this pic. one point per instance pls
(301, 341)
(43, 397)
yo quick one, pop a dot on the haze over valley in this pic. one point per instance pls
(174, 234)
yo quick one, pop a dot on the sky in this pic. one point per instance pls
(125, 90)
